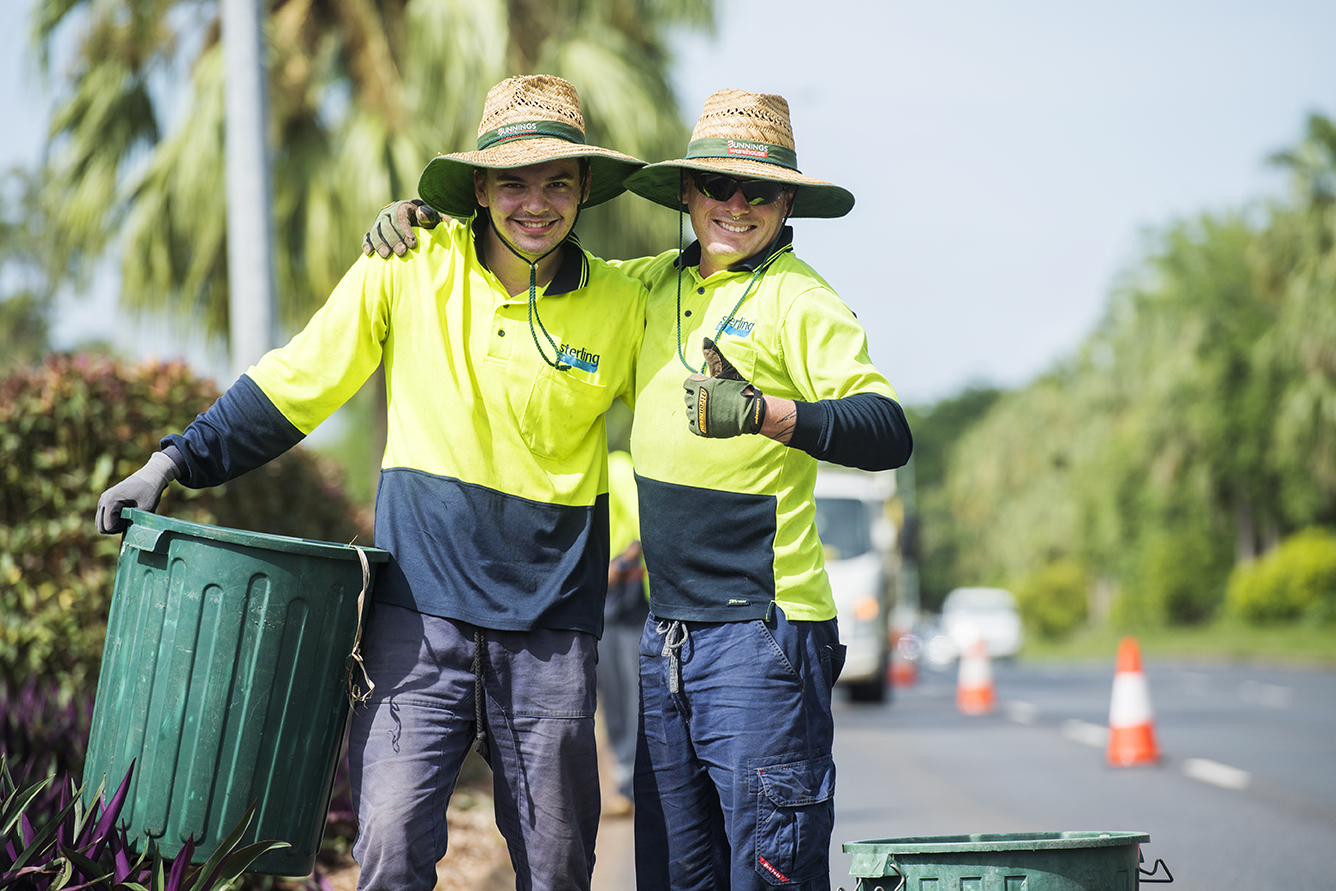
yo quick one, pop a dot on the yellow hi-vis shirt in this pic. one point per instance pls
(493, 489)
(728, 526)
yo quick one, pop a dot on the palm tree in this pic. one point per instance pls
(362, 94)
(27, 290)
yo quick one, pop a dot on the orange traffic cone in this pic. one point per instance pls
(1131, 729)
(904, 673)
(904, 669)
(974, 686)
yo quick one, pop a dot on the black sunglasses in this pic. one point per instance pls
(720, 187)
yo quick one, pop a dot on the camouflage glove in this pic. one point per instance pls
(723, 404)
(141, 490)
(393, 228)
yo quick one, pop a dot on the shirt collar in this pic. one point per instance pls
(691, 256)
(572, 274)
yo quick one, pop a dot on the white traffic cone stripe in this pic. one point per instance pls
(974, 672)
(1130, 706)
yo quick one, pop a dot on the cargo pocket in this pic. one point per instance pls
(561, 411)
(795, 813)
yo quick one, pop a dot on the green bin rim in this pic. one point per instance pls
(282, 543)
(995, 841)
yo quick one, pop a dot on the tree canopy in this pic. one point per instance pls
(1192, 431)
(362, 94)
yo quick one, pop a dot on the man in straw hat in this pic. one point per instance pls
(735, 780)
(504, 344)
(734, 777)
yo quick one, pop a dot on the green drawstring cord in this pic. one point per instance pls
(734, 311)
(533, 297)
(681, 358)
(533, 314)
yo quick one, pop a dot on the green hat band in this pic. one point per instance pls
(530, 130)
(715, 147)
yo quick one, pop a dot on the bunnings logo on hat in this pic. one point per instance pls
(748, 149)
(516, 130)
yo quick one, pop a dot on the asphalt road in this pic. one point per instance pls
(1244, 795)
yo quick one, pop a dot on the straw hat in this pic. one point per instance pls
(746, 135)
(526, 120)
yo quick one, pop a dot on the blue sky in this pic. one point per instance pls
(1006, 158)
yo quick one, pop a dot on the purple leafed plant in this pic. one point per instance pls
(84, 849)
(43, 732)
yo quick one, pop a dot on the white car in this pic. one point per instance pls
(859, 544)
(989, 613)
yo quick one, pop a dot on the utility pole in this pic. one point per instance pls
(250, 267)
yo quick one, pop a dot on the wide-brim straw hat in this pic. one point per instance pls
(747, 135)
(526, 120)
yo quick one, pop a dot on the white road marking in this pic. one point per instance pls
(1084, 732)
(1021, 712)
(1216, 774)
(1269, 695)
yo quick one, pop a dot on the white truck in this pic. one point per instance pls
(862, 561)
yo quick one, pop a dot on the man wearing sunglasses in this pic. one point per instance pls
(734, 783)
(734, 778)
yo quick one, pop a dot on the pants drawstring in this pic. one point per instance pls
(480, 738)
(675, 634)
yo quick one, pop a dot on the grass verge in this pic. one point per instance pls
(1290, 645)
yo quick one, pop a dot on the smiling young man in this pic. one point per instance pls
(735, 781)
(504, 343)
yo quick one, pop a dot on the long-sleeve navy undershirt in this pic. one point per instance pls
(866, 430)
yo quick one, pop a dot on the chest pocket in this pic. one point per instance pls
(741, 356)
(561, 410)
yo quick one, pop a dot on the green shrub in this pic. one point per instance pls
(71, 427)
(1295, 581)
(1054, 598)
(1179, 579)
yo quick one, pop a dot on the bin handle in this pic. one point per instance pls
(1145, 876)
(146, 539)
(890, 864)
(356, 696)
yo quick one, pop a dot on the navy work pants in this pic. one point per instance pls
(407, 745)
(735, 782)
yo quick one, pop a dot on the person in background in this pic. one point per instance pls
(504, 344)
(623, 622)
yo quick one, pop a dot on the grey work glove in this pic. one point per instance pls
(723, 404)
(393, 227)
(142, 489)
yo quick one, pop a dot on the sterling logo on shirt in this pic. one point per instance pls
(579, 357)
(739, 327)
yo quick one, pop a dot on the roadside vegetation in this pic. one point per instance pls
(1176, 475)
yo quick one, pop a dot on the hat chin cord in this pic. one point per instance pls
(681, 357)
(533, 295)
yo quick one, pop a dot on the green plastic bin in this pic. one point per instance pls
(1035, 861)
(225, 682)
